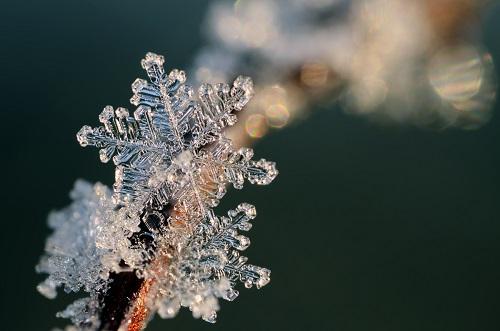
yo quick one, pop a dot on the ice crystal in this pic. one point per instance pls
(173, 164)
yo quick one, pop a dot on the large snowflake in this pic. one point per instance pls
(155, 243)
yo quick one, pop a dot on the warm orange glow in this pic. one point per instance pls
(140, 311)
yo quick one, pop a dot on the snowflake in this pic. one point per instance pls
(156, 237)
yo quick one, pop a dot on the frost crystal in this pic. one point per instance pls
(154, 244)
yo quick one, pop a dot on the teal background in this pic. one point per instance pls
(366, 227)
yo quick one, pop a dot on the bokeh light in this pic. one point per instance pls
(256, 125)
(277, 115)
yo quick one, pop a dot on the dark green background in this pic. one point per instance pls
(366, 228)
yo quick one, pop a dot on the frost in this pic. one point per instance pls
(173, 165)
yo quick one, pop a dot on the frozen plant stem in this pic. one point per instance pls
(154, 244)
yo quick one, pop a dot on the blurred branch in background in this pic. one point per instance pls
(392, 61)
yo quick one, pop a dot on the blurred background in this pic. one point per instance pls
(380, 115)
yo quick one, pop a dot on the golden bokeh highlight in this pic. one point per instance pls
(277, 115)
(456, 75)
(464, 80)
(256, 125)
(314, 74)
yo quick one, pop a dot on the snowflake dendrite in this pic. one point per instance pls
(153, 243)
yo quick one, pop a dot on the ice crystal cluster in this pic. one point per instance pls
(157, 224)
